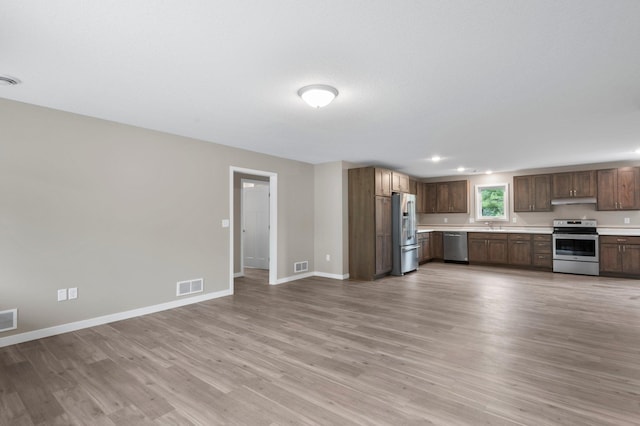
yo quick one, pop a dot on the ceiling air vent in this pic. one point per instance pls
(8, 320)
(301, 266)
(189, 287)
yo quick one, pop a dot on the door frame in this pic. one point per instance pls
(242, 225)
(273, 221)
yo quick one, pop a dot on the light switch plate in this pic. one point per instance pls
(62, 294)
(73, 293)
(225, 223)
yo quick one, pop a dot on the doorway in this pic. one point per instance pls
(254, 213)
(267, 182)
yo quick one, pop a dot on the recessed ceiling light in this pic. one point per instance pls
(436, 158)
(318, 95)
(637, 151)
(5, 80)
(461, 169)
(489, 172)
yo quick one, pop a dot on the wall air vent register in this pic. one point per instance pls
(8, 320)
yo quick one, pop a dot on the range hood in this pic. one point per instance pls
(574, 200)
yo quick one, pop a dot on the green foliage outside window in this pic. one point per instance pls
(492, 202)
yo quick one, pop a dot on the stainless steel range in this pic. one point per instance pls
(575, 246)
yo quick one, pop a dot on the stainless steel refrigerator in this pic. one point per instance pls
(404, 233)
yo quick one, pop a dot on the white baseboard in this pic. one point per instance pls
(312, 274)
(238, 275)
(332, 276)
(92, 322)
(293, 278)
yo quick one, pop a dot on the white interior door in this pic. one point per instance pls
(255, 224)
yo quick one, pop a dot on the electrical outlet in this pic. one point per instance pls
(514, 220)
(446, 220)
(225, 223)
(73, 293)
(627, 220)
(328, 258)
(62, 294)
(471, 220)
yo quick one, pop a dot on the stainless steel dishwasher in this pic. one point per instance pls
(455, 246)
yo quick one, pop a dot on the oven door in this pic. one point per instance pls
(578, 247)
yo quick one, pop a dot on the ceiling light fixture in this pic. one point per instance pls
(318, 95)
(5, 80)
(488, 172)
(461, 169)
(435, 158)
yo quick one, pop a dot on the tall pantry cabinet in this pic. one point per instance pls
(370, 254)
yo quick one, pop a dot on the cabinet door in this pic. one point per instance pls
(541, 193)
(430, 198)
(522, 193)
(628, 188)
(584, 184)
(610, 257)
(520, 252)
(413, 188)
(420, 197)
(631, 259)
(458, 196)
(400, 182)
(607, 185)
(497, 251)
(477, 250)
(437, 249)
(442, 202)
(383, 182)
(383, 235)
(562, 185)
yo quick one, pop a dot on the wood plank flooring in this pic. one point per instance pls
(449, 345)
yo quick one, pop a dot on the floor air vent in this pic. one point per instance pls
(301, 266)
(189, 287)
(8, 320)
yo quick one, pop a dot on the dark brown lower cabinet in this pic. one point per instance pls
(437, 249)
(486, 247)
(424, 247)
(542, 256)
(520, 249)
(619, 255)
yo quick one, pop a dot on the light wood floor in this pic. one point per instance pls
(448, 345)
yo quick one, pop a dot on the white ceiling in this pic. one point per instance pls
(494, 84)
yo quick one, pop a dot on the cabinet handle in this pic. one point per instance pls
(618, 249)
(622, 240)
(624, 249)
(620, 206)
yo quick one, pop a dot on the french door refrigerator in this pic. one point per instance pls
(404, 233)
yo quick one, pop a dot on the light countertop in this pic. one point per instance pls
(524, 230)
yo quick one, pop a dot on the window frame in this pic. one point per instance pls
(478, 199)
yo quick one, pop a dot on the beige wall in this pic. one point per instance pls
(330, 221)
(122, 213)
(578, 211)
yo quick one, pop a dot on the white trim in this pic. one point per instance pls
(478, 202)
(238, 275)
(92, 322)
(293, 278)
(332, 276)
(273, 221)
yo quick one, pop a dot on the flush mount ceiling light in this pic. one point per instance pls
(5, 80)
(436, 158)
(318, 95)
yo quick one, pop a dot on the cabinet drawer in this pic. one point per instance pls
(487, 236)
(540, 247)
(542, 260)
(542, 237)
(519, 237)
(614, 239)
